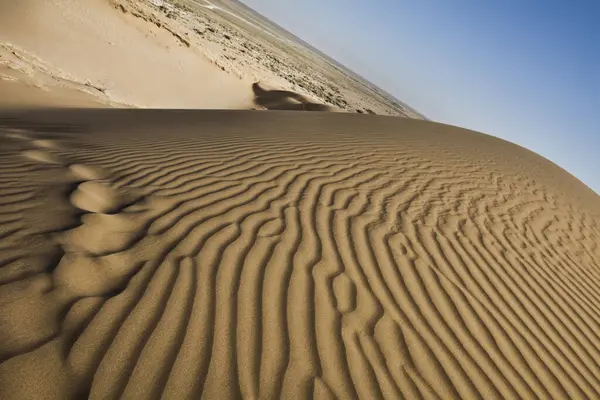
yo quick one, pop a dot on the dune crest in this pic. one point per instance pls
(220, 254)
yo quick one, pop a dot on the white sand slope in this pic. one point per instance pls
(173, 54)
(92, 46)
(222, 255)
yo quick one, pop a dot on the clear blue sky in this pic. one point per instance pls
(527, 71)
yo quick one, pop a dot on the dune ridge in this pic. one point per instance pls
(238, 254)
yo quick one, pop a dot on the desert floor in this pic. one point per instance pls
(267, 255)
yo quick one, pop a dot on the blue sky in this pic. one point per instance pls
(527, 71)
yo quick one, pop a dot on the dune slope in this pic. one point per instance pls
(95, 48)
(238, 254)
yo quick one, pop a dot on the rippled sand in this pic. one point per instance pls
(239, 254)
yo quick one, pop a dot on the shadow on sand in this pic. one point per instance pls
(285, 100)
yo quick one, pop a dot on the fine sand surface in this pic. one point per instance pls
(18, 89)
(268, 255)
(168, 54)
(118, 57)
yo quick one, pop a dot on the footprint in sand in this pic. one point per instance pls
(97, 197)
(82, 275)
(42, 156)
(46, 144)
(17, 134)
(95, 260)
(102, 234)
(88, 172)
(39, 153)
(24, 135)
(82, 270)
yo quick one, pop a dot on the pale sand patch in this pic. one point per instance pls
(97, 197)
(176, 54)
(21, 90)
(88, 172)
(291, 255)
(126, 59)
(42, 156)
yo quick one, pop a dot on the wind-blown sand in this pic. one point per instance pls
(166, 54)
(267, 255)
(121, 59)
(239, 254)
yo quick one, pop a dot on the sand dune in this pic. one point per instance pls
(185, 255)
(273, 99)
(20, 90)
(175, 54)
(117, 56)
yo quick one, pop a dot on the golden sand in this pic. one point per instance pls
(267, 255)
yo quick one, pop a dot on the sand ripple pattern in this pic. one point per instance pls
(282, 256)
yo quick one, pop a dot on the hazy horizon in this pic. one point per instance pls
(526, 73)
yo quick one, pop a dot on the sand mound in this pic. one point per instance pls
(274, 99)
(291, 255)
